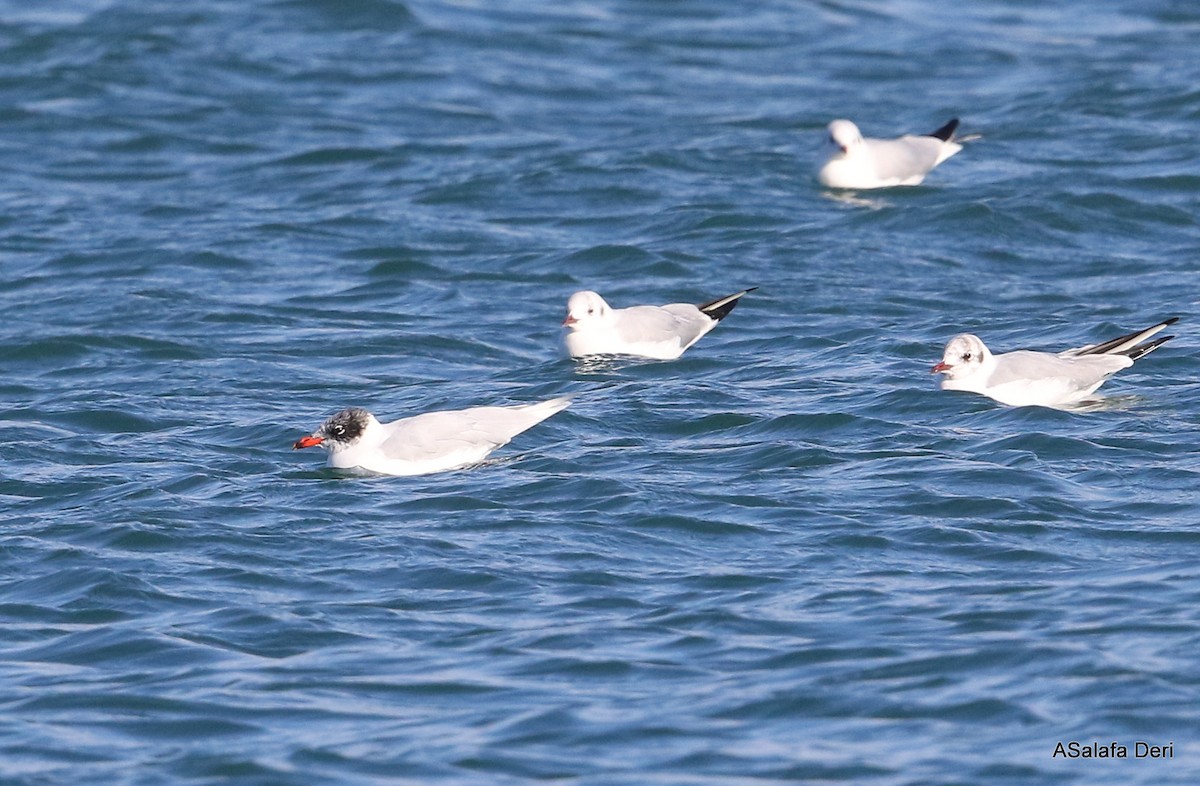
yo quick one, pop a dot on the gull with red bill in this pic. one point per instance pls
(656, 332)
(431, 442)
(1028, 378)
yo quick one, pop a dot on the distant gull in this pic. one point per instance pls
(1027, 378)
(432, 442)
(858, 163)
(658, 332)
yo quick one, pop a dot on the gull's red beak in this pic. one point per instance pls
(570, 320)
(307, 442)
(940, 367)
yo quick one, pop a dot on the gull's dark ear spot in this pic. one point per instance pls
(346, 426)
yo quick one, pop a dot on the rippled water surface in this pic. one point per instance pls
(785, 557)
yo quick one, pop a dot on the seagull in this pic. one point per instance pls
(856, 162)
(1028, 378)
(657, 332)
(431, 442)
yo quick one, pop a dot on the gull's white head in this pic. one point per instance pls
(965, 355)
(586, 309)
(341, 431)
(844, 136)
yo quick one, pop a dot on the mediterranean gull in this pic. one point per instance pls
(432, 442)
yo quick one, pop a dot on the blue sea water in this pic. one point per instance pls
(783, 558)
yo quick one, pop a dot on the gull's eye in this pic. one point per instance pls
(591, 311)
(339, 430)
(966, 356)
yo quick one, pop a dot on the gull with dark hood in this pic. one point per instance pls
(432, 442)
